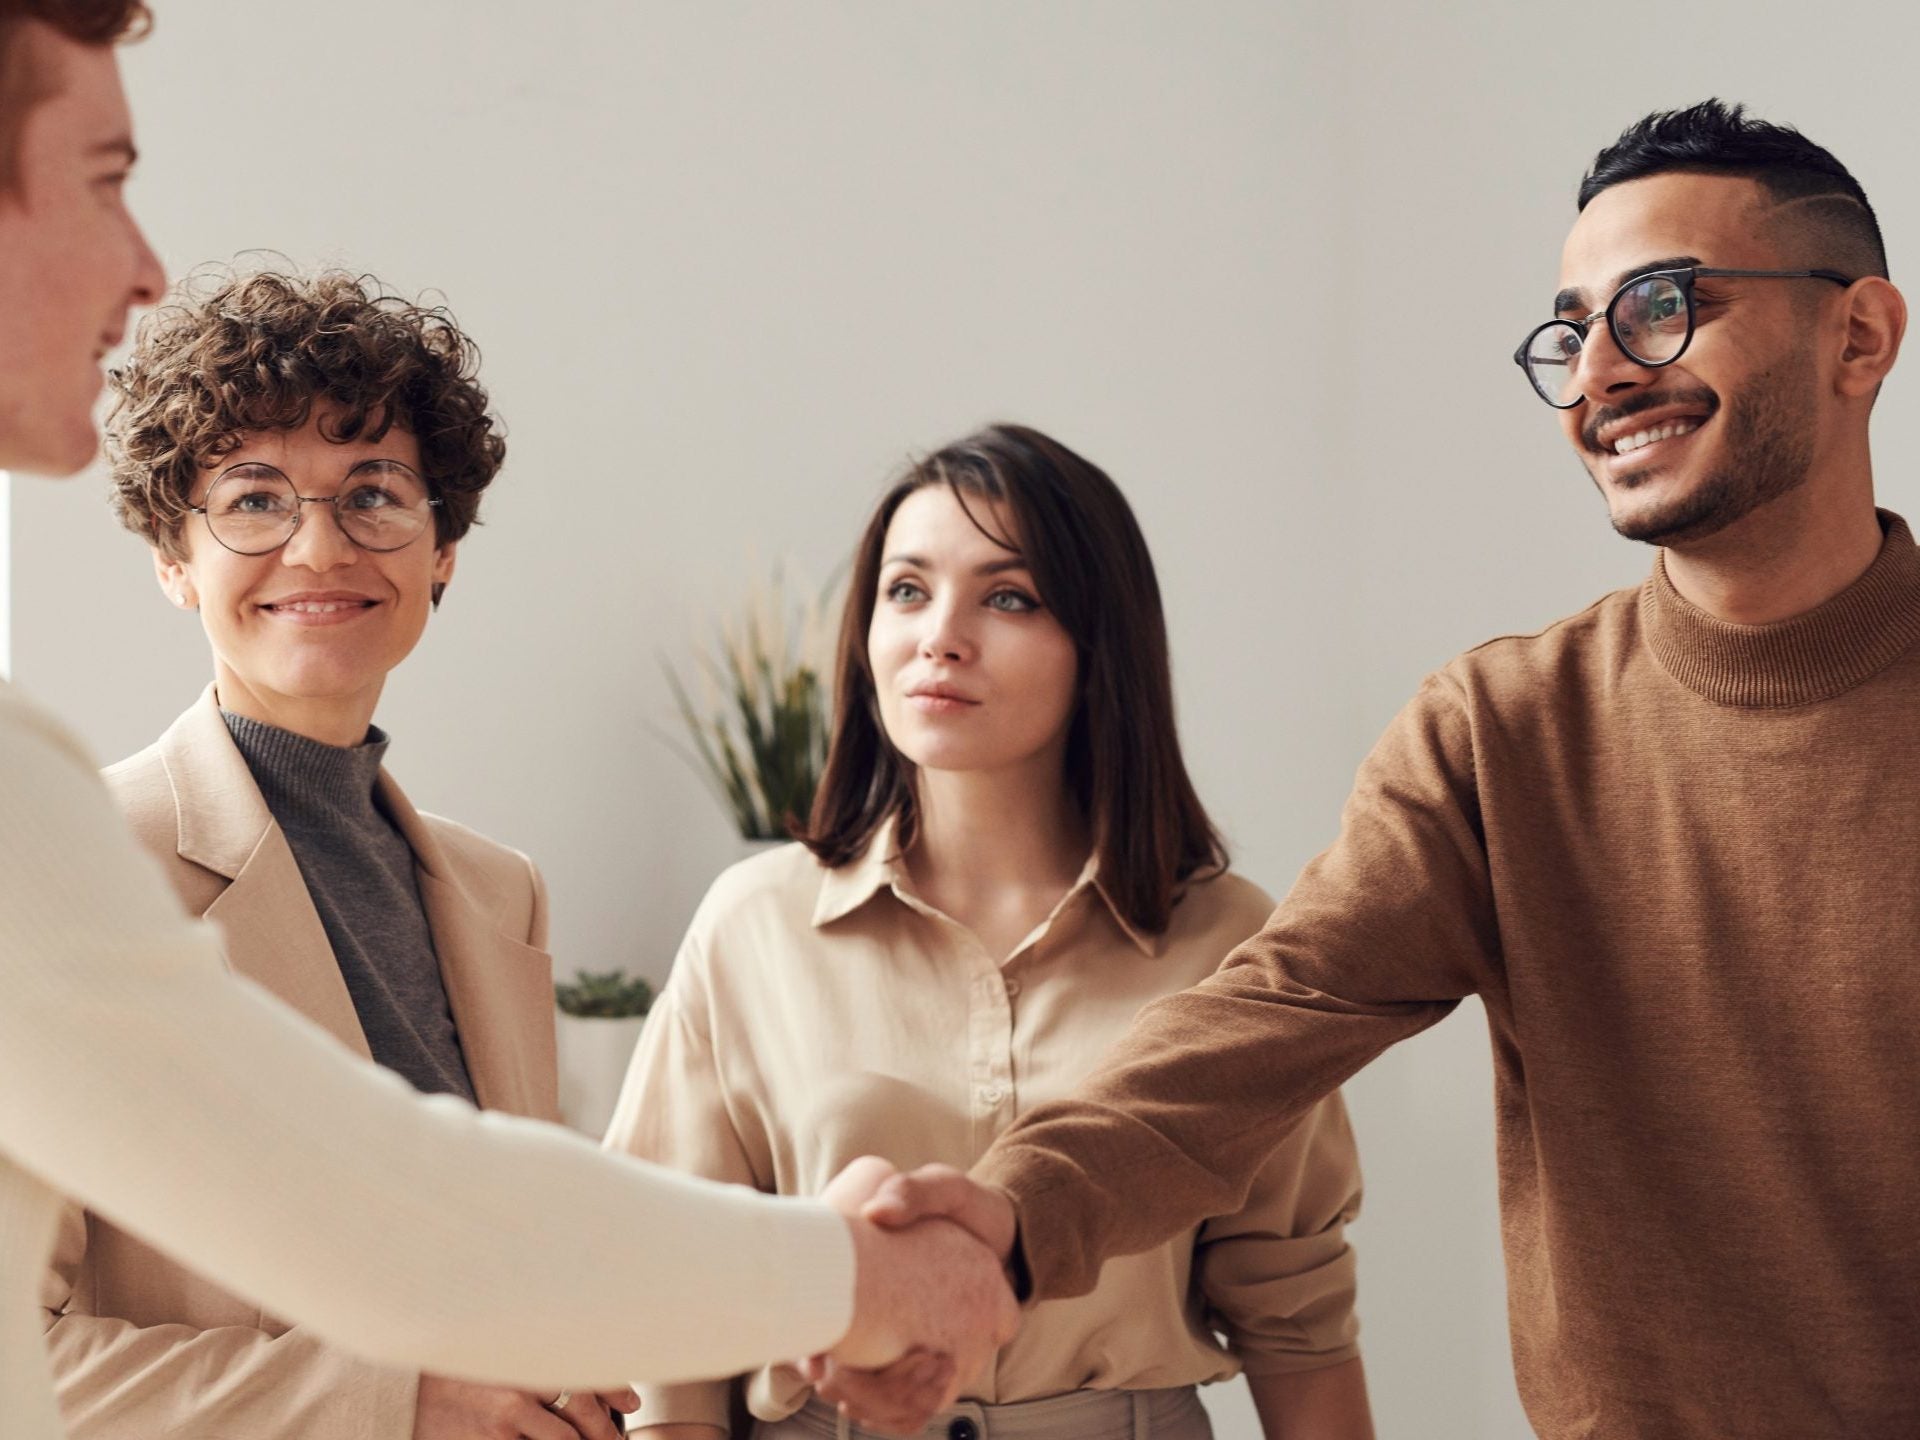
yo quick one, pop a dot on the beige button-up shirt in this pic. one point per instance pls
(816, 1015)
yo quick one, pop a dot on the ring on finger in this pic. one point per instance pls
(559, 1402)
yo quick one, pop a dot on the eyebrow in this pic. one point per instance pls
(992, 567)
(1573, 300)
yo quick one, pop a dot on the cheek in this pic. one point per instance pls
(889, 647)
(1048, 675)
(224, 582)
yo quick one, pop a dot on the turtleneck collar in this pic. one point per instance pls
(303, 777)
(1816, 656)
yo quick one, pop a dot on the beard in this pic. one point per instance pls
(1766, 452)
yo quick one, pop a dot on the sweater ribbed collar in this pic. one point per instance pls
(1812, 657)
(305, 779)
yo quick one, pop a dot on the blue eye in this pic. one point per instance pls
(1012, 602)
(905, 592)
(371, 497)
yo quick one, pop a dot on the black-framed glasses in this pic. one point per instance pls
(1650, 318)
(382, 505)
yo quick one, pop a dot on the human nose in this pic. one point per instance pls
(149, 275)
(318, 543)
(944, 637)
(1605, 369)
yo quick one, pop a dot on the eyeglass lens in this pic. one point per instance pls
(1650, 320)
(254, 508)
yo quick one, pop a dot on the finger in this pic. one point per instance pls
(589, 1418)
(626, 1399)
(900, 1399)
(537, 1422)
(814, 1368)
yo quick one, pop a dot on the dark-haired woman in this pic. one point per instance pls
(1006, 860)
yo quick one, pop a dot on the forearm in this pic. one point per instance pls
(416, 1232)
(1196, 1096)
(1326, 1404)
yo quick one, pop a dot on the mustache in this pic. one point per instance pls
(1605, 415)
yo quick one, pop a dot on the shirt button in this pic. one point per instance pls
(989, 1095)
(1013, 987)
(963, 1429)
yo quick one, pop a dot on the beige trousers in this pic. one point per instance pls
(1080, 1415)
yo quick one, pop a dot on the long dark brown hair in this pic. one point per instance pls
(1090, 564)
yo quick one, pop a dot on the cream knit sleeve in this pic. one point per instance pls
(414, 1231)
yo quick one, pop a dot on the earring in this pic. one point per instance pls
(438, 590)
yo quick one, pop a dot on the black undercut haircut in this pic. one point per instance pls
(1821, 211)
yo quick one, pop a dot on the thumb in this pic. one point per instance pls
(931, 1192)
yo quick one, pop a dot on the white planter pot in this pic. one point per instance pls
(593, 1056)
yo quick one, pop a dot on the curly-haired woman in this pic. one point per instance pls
(304, 454)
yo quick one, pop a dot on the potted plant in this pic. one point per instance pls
(598, 1024)
(760, 729)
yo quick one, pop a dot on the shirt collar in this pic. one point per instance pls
(846, 888)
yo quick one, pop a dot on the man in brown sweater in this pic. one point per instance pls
(1672, 842)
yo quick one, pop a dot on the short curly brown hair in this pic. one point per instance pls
(234, 351)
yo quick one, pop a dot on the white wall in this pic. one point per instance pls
(731, 260)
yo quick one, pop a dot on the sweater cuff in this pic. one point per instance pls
(811, 1265)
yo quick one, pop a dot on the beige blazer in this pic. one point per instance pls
(141, 1347)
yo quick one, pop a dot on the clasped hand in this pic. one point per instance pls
(931, 1302)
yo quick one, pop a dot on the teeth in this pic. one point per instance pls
(1627, 444)
(314, 607)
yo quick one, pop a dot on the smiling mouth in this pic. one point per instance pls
(318, 607)
(1640, 439)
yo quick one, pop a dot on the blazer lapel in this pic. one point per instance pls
(499, 988)
(271, 931)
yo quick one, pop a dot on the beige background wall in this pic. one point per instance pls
(731, 261)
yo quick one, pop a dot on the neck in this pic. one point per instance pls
(1784, 559)
(996, 830)
(340, 720)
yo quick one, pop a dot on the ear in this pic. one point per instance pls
(443, 559)
(176, 580)
(1876, 320)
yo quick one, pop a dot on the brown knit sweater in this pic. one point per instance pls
(1679, 861)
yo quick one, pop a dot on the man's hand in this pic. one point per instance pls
(930, 1304)
(456, 1410)
(942, 1192)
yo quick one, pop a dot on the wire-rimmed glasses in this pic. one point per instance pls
(382, 505)
(1650, 318)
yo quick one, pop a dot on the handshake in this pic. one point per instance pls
(931, 1298)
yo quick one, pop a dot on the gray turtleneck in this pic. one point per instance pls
(359, 871)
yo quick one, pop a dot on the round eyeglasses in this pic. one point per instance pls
(253, 508)
(1650, 318)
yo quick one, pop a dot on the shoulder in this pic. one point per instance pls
(1215, 914)
(780, 884)
(1581, 649)
(477, 855)
(768, 897)
(503, 881)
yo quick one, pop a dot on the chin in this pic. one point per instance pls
(1649, 506)
(54, 456)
